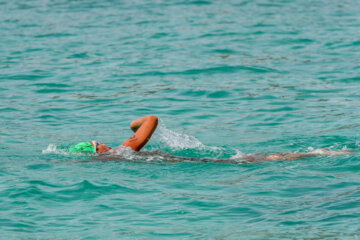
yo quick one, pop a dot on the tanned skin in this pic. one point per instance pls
(143, 128)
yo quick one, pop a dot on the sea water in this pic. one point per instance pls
(226, 79)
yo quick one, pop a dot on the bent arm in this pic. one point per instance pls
(143, 128)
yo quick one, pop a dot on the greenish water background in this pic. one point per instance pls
(225, 78)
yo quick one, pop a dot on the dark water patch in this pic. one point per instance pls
(84, 190)
(255, 97)
(317, 91)
(177, 99)
(222, 34)
(27, 77)
(79, 55)
(219, 94)
(28, 192)
(343, 185)
(54, 35)
(143, 22)
(53, 109)
(159, 35)
(224, 51)
(29, 25)
(291, 223)
(294, 41)
(18, 225)
(175, 234)
(24, 6)
(47, 116)
(261, 25)
(212, 70)
(9, 109)
(47, 90)
(38, 166)
(204, 204)
(194, 93)
(198, 2)
(295, 192)
(350, 80)
(268, 5)
(258, 32)
(41, 183)
(29, 50)
(52, 85)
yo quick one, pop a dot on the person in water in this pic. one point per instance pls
(144, 127)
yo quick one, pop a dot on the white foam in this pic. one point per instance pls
(180, 141)
(238, 155)
(316, 151)
(328, 151)
(50, 149)
(125, 152)
(177, 140)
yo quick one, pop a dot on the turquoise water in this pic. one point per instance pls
(225, 78)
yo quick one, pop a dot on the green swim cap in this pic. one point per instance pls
(82, 147)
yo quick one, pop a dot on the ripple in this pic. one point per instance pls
(54, 35)
(212, 70)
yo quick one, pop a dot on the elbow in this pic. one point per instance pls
(153, 118)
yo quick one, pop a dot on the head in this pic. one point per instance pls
(91, 147)
(100, 147)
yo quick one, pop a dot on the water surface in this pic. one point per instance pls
(225, 78)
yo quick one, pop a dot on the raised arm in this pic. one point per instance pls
(143, 129)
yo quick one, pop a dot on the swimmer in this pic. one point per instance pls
(144, 127)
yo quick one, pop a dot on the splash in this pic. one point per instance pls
(181, 141)
(52, 148)
(238, 155)
(177, 140)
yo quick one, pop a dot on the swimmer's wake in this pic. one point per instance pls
(144, 128)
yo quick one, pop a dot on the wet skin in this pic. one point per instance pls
(101, 148)
(143, 128)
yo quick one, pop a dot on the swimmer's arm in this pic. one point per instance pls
(134, 125)
(292, 156)
(143, 128)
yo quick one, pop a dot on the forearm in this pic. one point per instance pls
(136, 124)
(143, 128)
